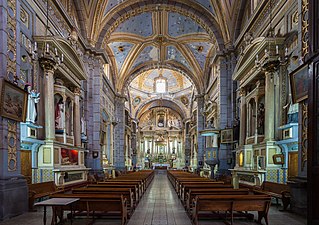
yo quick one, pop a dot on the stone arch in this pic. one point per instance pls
(160, 103)
(124, 82)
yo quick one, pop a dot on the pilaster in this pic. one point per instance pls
(243, 116)
(77, 119)
(119, 131)
(200, 126)
(269, 106)
(49, 68)
(13, 187)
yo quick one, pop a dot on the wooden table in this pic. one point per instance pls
(56, 202)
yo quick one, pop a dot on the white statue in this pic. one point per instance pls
(83, 125)
(59, 115)
(33, 98)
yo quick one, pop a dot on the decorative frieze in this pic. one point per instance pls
(304, 135)
(304, 28)
(11, 41)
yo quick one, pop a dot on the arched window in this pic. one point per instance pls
(160, 83)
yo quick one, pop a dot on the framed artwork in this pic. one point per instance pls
(226, 136)
(13, 102)
(278, 159)
(299, 84)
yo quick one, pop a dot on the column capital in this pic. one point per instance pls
(48, 64)
(77, 91)
(199, 96)
(121, 98)
(242, 92)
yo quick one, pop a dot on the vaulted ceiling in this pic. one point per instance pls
(181, 36)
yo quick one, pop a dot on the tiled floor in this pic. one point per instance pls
(159, 205)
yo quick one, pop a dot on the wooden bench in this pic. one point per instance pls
(275, 190)
(231, 203)
(41, 190)
(191, 195)
(96, 204)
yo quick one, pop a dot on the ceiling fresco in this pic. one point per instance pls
(207, 4)
(110, 5)
(140, 25)
(120, 51)
(150, 53)
(200, 51)
(179, 25)
(174, 54)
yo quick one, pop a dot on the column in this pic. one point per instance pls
(13, 187)
(269, 106)
(77, 119)
(49, 67)
(134, 149)
(200, 127)
(256, 119)
(119, 131)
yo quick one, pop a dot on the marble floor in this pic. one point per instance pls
(159, 206)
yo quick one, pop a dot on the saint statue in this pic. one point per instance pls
(33, 99)
(83, 126)
(59, 115)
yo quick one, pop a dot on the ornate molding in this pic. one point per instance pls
(304, 135)
(12, 40)
(12, 145)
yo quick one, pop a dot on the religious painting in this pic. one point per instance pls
(13, 102)
(226, 136)
(69, 157)
(299, 84)
(160, 120)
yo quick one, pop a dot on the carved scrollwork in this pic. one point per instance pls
(304, 135)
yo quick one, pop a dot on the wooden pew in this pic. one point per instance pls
(134, 188)
(185, 182)
(141, 183)
(191, 195)
(186, 186)
(93, 203)
(275, 190)
(123, 184)
(41, 190)
(231, 203)
(126, 192)
(178, 181)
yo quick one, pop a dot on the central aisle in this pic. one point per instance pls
(160, 205)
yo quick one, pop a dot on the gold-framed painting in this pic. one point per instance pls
(299, 81)
(13, 102)
(226, 136)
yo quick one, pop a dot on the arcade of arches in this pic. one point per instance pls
(224, 89)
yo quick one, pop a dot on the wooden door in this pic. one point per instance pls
(292, 164)
(26, 165)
